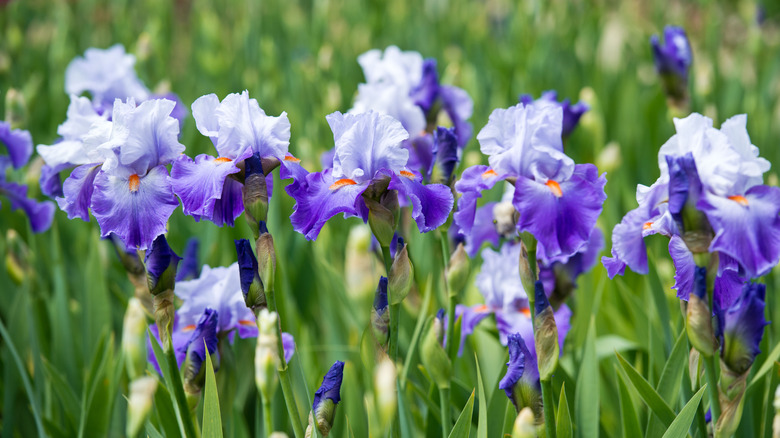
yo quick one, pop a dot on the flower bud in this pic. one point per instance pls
(433, 356)
(128, 257)
(203, 341)
(17, 258)
(743, 328)
(255, 193)
(251, 285)
(161, 263)
(360, 268)
(380, 317)
(505, 216)
(266, 257)
(527, 270)
(699, 316)
(776, 421)
(672, 61)
(139, 404)
(521, 381)
(401, 276)
(134, 338)
(732, 396)
(385, 389)
(458, 270)
(327, 398)
(266, 356)
(524, 426)
(447, 155)
(545, 334)
(381, 220)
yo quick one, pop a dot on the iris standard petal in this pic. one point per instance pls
(245, 129)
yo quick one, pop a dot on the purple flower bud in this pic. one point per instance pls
(743, 328)
(328, 397)
(203, 341)
(251, 284)
(161, 264)
(673, 60)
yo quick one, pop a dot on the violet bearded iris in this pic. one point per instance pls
(368, 155)
(558, 201)
(246, 140)
(709, 198)
(18, 144)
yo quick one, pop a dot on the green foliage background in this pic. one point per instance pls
(299, 56)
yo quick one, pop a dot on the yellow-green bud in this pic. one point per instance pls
(401, 276)
(527, 272)
(17, 258)
(134, 338)
(457, 270)
(545, 334)
(381, 220)
(385, 391)
(266, 354)
(732, 396)
(433, 356)
(139, 404)
(699, 326)
(776, 421)
(266, 257)
(506, 216)
(524, 426)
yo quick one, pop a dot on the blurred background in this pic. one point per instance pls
(299, 56)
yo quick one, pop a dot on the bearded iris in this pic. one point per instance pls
(369, 164)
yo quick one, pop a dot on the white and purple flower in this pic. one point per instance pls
(571, 113)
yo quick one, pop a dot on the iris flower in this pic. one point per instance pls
(673, 59)
(571, 113)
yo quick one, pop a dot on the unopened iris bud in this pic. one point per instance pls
(385, 389)
(266, 257)
(189, 268)
(266, 356)
(382, 210)
(776, 421)
(433, 356)
(505, 216)
(445, 147)
(673, 59)
(139, 404)
(458, 270)
(699, 316)
(380, 317)
(326, 399)
(545, 334)
(731, 396)
(134, 338)
(524, 426)
(202, 342)
(255, 192)
(743, 328)
(401, 276)
(161, 264)
(17, 258)
(251, 285)
(527, 270)
(521, 382)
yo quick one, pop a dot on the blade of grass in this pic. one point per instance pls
(212, 420)
(463, 425)
(647, 393)
(564, 427)
(25, 380)
(681, 424)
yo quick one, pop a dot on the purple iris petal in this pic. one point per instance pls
(426, 91)
(247, 265)
(319, 198)
(499, 279)
(431, 204)
(728, 287)
(230, 205)
(107, 74)
(135, 208)
(159, 258)
(484, 230)
(220, 289)
(179, 111)
(190, 268)
(421, 153)
(288, 342)
(571, 113)
(674, 56)
(459, 107)
(49, 182)
(200, 183)
(684, 267)
(743, 328)
(18, 143)
(747, 227)
(40, 214)
(77, 191)
(471, 316)
(445, 148)
(561, 215)
(519, 363)
(180, 337)
(473, 181)
(202, 341)
(380, 298)
(331, 386)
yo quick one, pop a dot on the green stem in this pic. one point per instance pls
(446, 420)
(712, 387)
(549, 408)
(392, 347)
(284, 376)
(449, 296)
(267, 422)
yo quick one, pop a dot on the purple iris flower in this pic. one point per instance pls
(220, 289)
(368, 155)
(406, 87)
(709, 198)
(483, 230)
(521, 370)
(673, 60)
(18, 143)
(203, 341)
(558, 201)
(742, 327)
(189, 268)
(211, 187)
(560, 278)
(571, 113)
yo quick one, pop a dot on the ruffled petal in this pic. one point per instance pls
(136, 216)
(684, 267)
(245, 129)
(199, 183)
(560, 215)
(484, 230)
(747, 228)
(40, 214)
(77, 191)
(431, 204)
(473, 181)
(320, 197)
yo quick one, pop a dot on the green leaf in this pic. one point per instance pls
(64, 391)
(767, 365)
(669, 384)
(164, 411)
(563, 418)
(152, 432)
(25, 379)
(482, 425)
(607, 345)
(463, 425)
(647, 393)
(175, 389)
(212, 421)
(587, 394)
(681, 424)
(628, 416)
